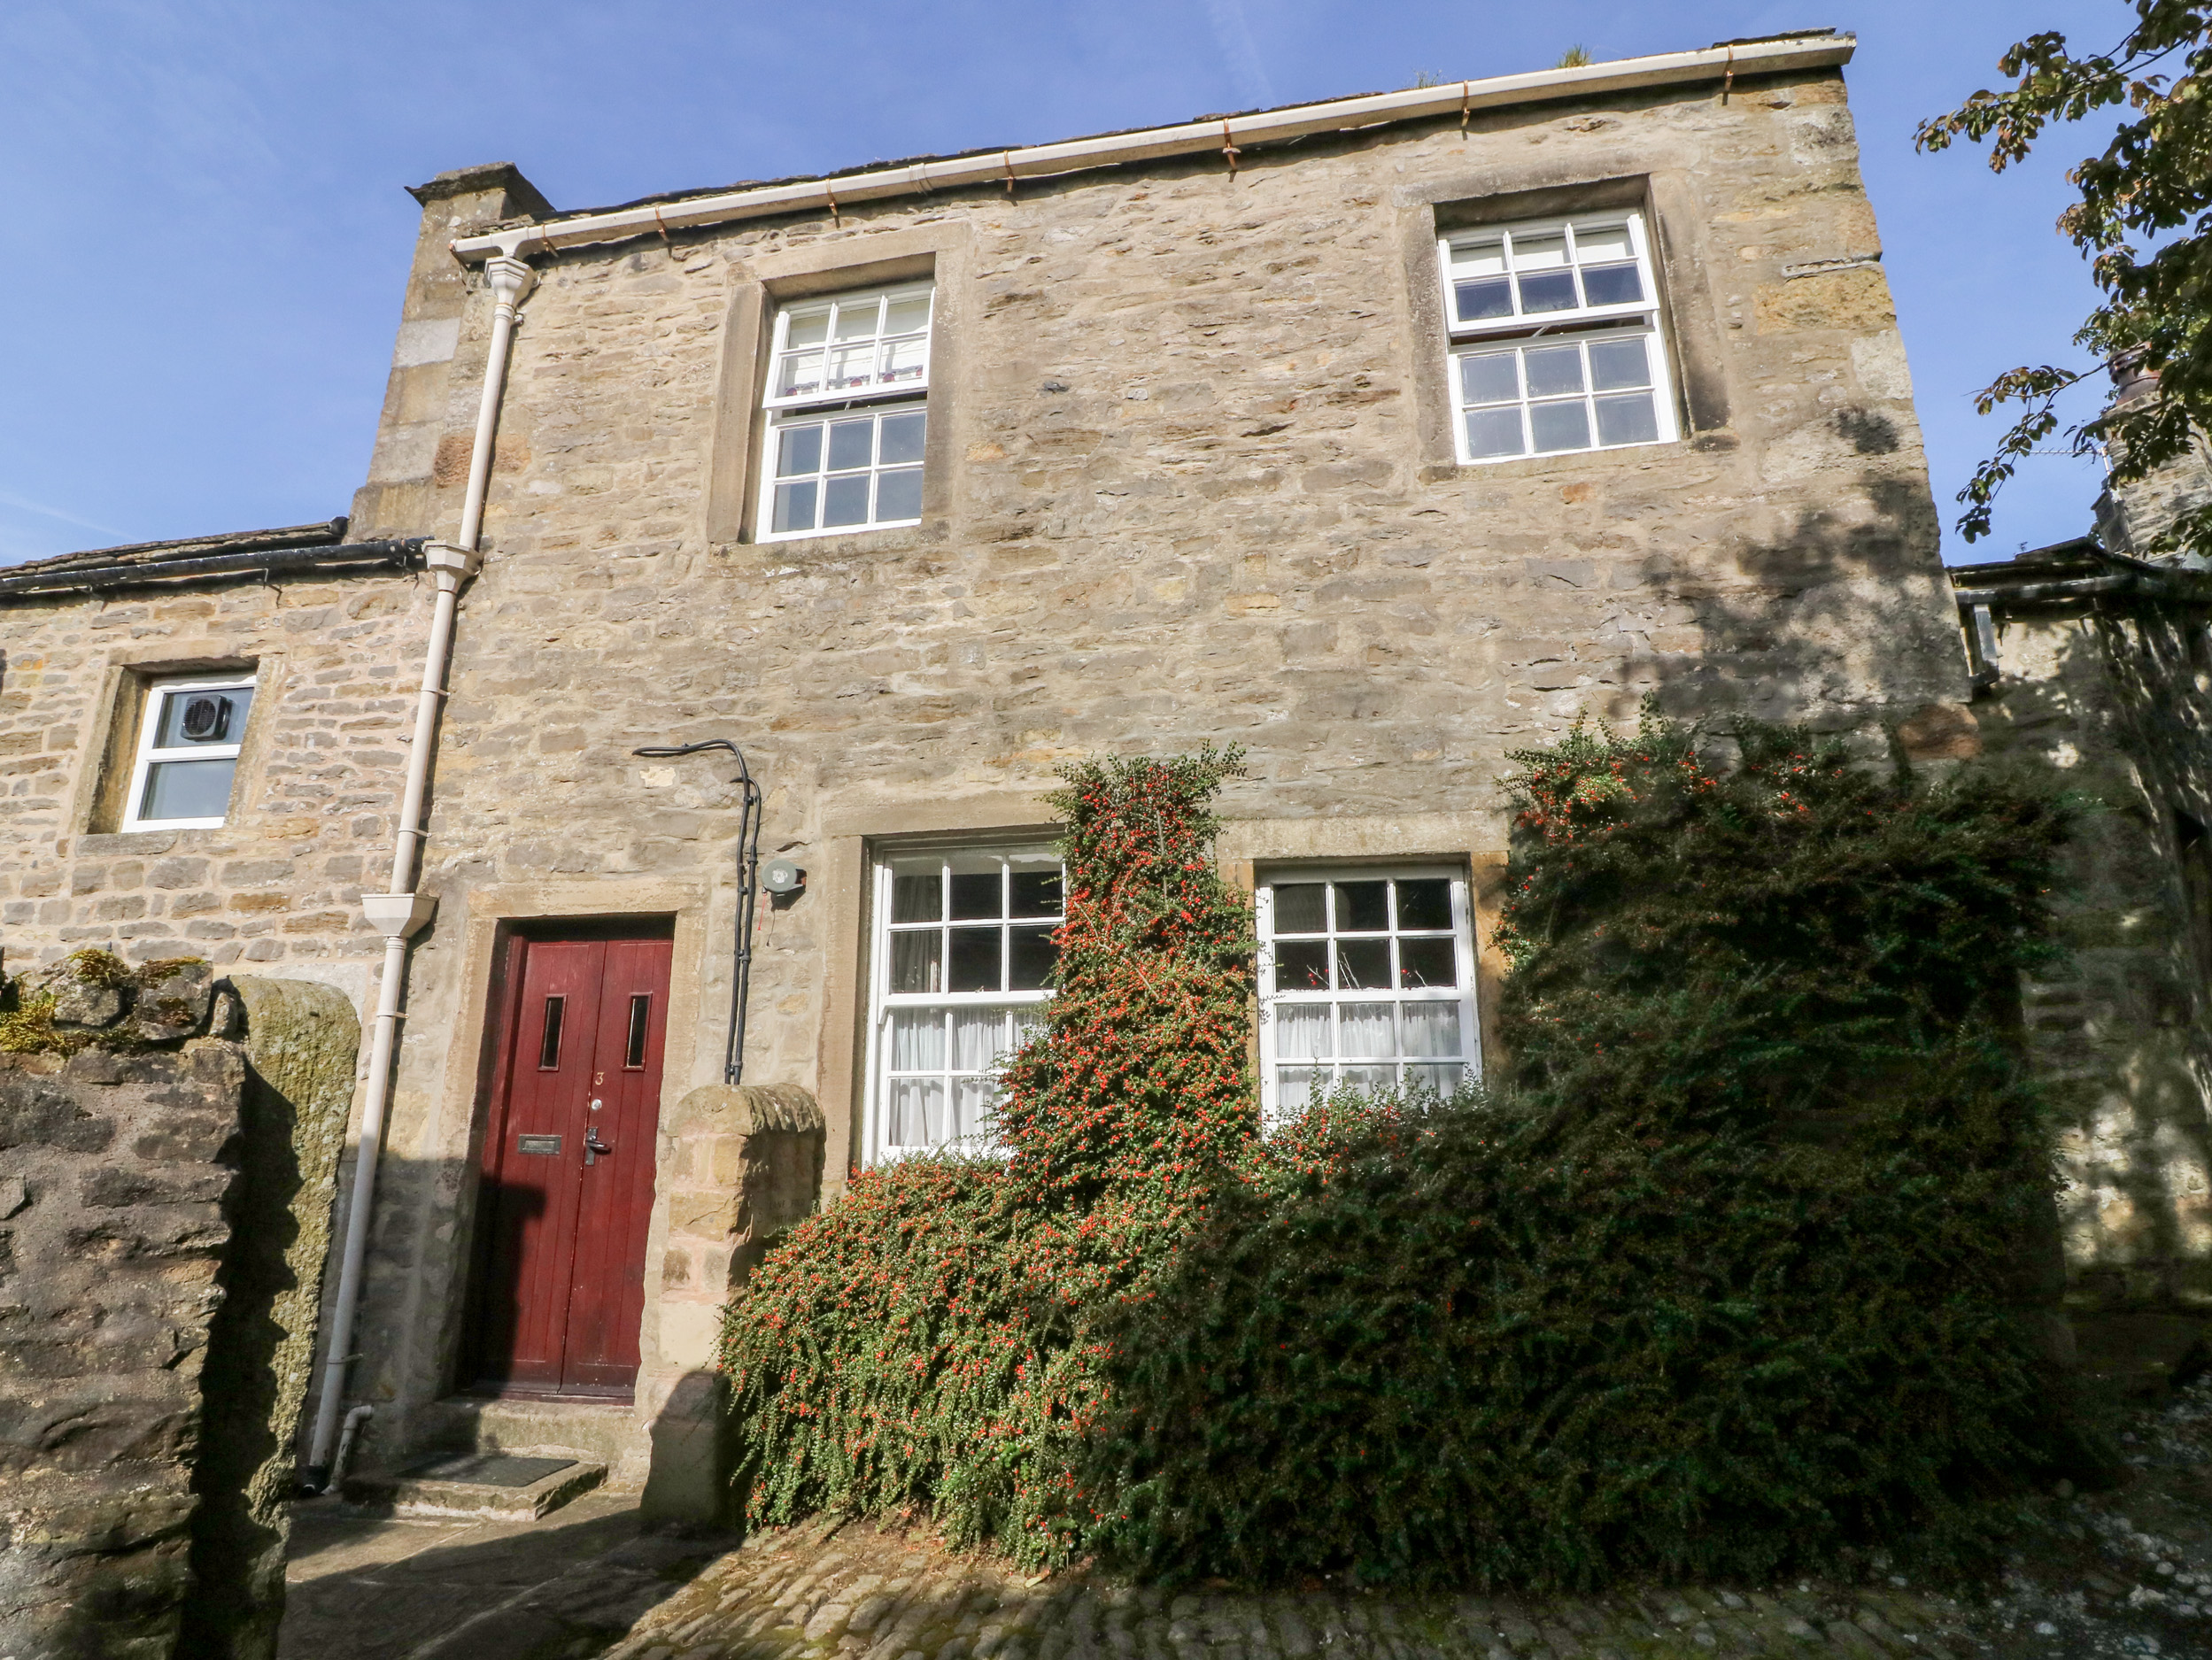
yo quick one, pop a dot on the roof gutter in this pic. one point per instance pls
(262, 561)
(997, 168)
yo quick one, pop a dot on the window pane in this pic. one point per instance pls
(850, 443)
(909, 315)
(973, 1101)
(187, 789)
(857, 320)
(1301, 1032)
(975, 961)
(1366, 1029)
(914, 961)
(1028, 1021)
(1368, 1077)
(918, 897)
(846, 501)
(549, 1034)
(1302, 965)
(1602, 242)
(1431, 1028)
(1612, 285)
(1488, 377)
(640, 1027)
(979, 1035)
(1616, 364)
(1492, 432)
(798, 449)
(1554, 371)
(902, 437)
(202, 717)
(1425, 903)
(801, 373)
(1296, 1087)
(1031, 958)
(1427, 962)
(977, 893)
(807, 328)
(903, 360)
(917, 1112)
(1477, 300)
(1629, 420)
(917, 1039)
(1433, 1080)
(1362, 907)
(852, 365)
(1302, 908)
(1036, 892)
(794, 507)
(1480, 259)
(1559, 427)
(1551, 291)
(898, 494)
(1539, 253)
(1363, 965)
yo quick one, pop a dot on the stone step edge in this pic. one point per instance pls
(410, 1496)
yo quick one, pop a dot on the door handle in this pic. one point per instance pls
(592, 1146)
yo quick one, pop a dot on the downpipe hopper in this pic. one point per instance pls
(450, 566)
(399, 915)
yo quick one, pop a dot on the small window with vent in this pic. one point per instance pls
(188, 753)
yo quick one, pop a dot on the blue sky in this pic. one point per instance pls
(206, 235)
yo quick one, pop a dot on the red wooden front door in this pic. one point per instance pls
(567, 1165)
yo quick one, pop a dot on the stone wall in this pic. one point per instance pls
(164, 1218)
(117, 1174)
(2111, 696)
(740, 1165)
(312, 808)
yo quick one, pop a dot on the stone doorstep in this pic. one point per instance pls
(424, 1491)
(598, 1432)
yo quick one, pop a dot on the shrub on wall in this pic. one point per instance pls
(923, 1341)
(1724, 1283)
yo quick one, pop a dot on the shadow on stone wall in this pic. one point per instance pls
(301, 1040)
(2119, 1027)
(1843, 622)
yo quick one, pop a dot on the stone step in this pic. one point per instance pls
(517, 1486)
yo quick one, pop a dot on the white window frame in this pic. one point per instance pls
(1273, 1002)
(146, 757)
(1582, 324)
(883, 1002)
(784, 410)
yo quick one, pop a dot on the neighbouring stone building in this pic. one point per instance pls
(1381, 437)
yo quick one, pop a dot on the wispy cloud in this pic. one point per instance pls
(1234, 35)
(25, 504)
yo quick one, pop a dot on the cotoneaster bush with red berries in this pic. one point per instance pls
(925, 1342)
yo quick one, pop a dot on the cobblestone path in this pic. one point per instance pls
(860, 1594)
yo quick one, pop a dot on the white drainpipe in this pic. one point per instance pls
(398, 912)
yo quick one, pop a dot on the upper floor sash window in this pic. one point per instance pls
(1556, 342)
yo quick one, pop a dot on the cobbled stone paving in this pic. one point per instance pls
(2093, 1577)
(871, 1595)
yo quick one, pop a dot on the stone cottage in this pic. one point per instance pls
(1379, 437)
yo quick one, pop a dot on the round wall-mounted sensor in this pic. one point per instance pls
(782, 875)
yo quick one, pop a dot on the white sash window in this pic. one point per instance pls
(848, 413)
(1366, 979)
(960, 973)
(1555, 343)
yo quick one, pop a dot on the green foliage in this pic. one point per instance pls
(1724, 1281)
(923, 1341)
(2145, 222)
(1723, 1286)
(26, 1012)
